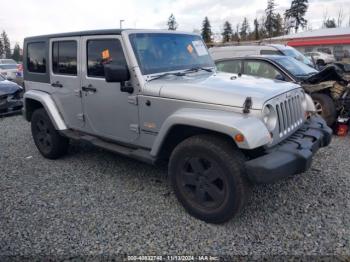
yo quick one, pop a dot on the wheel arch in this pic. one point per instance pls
(35, 99)
(188, 122)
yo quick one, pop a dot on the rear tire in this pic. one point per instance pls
(325, 107)
(46, 138)
(207, 174)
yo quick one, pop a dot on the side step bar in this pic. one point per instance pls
(135, 153)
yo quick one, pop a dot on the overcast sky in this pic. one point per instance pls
(23, 18)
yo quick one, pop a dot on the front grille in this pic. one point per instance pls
(290, 114)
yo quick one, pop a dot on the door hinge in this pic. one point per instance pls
(135, 128)
(81, 117)
(78, 92)
(133, 100)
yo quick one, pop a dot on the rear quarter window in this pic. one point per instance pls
(36, 60)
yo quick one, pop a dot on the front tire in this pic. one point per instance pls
(46, 138)
(325, 107)
(207, 174)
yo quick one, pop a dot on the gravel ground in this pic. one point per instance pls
(93, 202)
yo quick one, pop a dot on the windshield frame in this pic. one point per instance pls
(178, 68)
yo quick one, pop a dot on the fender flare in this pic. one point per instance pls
(48, 103)
(228, 123)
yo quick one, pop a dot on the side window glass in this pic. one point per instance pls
(260, 69)
(36, 60)
(229, 66)
(100, 52)
(270, 52)
(64, 57)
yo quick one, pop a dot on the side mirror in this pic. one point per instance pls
(116, 73)
(280, 77)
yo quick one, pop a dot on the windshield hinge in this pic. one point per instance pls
(247, 105)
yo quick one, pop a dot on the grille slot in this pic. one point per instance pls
(290, 115)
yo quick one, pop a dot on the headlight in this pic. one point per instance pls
(270, 117)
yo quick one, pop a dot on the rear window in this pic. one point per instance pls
(8, 61)
(64, 57)
(36, 61)
(8, 66)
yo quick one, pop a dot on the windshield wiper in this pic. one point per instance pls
(196, 69)
(167, 74)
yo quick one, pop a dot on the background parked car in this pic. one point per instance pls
(11, 70)
(327, 88)
(320, 58)
(10, 97)
(272, 49)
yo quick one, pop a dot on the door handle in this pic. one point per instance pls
(57, 84)
(89, 88)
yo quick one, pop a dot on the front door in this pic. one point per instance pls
(108, 112)
(65, 77)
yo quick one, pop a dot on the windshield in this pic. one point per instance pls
(8, 66)
(296, 67)
(297, 55)
(2, 78)
(162, 52)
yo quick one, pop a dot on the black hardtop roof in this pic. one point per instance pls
(79, 33)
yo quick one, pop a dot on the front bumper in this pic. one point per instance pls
(291, 156)
(10, 107)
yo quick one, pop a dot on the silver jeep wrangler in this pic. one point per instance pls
(156, 96)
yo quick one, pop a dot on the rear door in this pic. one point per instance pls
(65, 75)
(108, 112)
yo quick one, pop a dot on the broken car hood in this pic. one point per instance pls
(8, 87)
(329, 73)
(218, 88)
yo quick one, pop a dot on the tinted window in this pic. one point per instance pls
(64, 57)
(2, 78)
(100, 52)
(260, 69)
(36, 61)
(229, 66)
(270, 52)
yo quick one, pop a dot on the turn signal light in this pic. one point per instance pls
(239, 138)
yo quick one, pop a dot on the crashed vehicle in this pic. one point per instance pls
(10, 97)
(328, 88)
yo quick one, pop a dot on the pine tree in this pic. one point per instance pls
(278, 26)
(206, 30)
(172, 24)
(244, 29)
(227, 34)
(1, 48)
(297, 11)
(270, 17)
(256, 29)
(6, 42)
(16, 55)
(329, 23)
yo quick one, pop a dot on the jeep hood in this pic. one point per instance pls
(218, 88)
